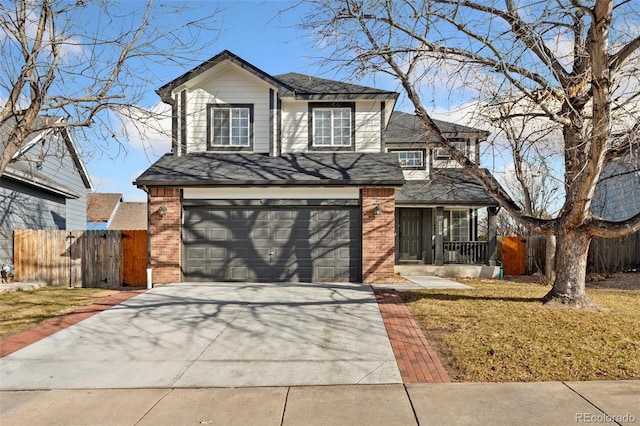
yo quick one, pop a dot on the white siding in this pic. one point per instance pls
(295, 126)
(258, 193)
(416, 174)
(368, 126)
(295, 136)
(233, 86)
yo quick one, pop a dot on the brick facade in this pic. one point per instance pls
(165, 235)
(378, 235)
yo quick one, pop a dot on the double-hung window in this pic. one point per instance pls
(230, 126)
(411, 159)
(331, 127)
(459, 144)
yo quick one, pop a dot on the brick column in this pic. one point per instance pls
(378, 235)
(165, 235)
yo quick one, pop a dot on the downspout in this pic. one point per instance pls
(149, 270)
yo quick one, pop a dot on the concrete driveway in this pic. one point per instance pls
(216, 335)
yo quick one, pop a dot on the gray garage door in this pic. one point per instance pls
(307, 244)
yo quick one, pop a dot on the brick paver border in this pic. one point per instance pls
(417, 361)
(49, 327)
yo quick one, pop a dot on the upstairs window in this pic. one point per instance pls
(331, 126)
(459, 144)
(230, 127)
(411, 159)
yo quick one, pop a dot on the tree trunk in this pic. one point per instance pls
(550, 259)
(571, 268)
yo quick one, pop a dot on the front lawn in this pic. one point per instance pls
(21, 310)
(500, 332)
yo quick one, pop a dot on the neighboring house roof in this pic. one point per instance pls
(404, 127)
(130, 216)
(101, 207)
(18, 171)
(343, 168)
(445, 187)
(292, 84)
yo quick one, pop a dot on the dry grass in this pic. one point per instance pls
(500, 332)
(21, 310)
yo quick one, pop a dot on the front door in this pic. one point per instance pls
(410, 235)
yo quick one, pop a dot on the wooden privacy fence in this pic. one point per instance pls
(606, 255)
(81, 258)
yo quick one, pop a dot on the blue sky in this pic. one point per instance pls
(253, 31)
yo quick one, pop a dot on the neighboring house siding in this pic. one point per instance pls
(230, 87)
(618, 194)
(26, 207)
(23, 206)
(60, 167)
(295, 126)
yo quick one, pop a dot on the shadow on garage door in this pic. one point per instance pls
(306, 244)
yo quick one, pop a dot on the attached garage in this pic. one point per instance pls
(246, 217)
(284, 243)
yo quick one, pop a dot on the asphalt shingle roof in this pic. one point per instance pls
(130, 216)
(343, 168)
(445, 187)
(306, 84)
(404, 127)
(100, 206)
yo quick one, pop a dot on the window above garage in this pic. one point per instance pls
(332, 126)
(230, 127)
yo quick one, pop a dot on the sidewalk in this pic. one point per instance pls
(551, 403)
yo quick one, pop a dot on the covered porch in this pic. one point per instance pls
(437, 221)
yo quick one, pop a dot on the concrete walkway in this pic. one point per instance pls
(423, 282)
(550, 403)
(216, 335)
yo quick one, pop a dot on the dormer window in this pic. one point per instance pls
(459, 144)
(331, 126)
(413, 159)
(230, 127)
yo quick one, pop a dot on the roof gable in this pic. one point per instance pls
(292, 84)
(17, 172)
(225, 55)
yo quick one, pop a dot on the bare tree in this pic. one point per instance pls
(88, 62)
(575, 60)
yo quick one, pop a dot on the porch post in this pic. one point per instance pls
(491, 246)
(439, 260)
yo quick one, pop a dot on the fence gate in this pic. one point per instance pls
(134, 258)
(514, 254)
(80, 258)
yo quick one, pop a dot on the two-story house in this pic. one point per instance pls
(290, 178)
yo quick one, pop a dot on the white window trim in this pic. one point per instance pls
(406, 151)
(333, 142)
(443, 153)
